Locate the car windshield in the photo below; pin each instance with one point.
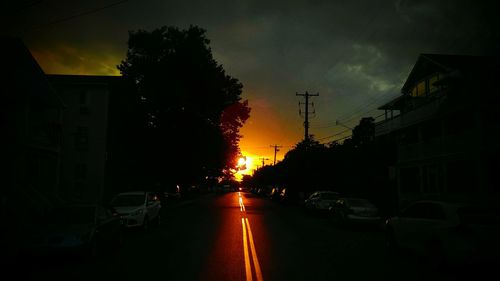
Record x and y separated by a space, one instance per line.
128 200
72 215
329 196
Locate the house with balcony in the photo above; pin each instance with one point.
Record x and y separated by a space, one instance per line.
445 126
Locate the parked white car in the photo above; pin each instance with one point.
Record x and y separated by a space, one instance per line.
137 209
447 232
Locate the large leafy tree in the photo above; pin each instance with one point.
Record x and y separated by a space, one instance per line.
193 110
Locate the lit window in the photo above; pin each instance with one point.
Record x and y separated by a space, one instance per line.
421 89
432 81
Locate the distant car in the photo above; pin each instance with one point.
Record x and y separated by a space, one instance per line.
289 196
445 232
354 210
75 229
137 209
223 188
171 194
321 200
275 193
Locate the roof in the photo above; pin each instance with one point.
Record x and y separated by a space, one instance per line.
394 104
22 77
465 64
482 67
57 79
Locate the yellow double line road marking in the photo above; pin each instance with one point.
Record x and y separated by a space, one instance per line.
248 239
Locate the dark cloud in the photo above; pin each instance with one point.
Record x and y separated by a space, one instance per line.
355 53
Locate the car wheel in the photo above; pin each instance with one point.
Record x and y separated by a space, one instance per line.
435 254
342 217
157 220
145 224
391 242
121 239
93 250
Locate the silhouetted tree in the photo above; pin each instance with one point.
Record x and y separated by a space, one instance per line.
193 109
364 132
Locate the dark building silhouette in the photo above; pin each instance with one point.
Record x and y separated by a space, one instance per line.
30 144
84 134
445 125
101 127
30 123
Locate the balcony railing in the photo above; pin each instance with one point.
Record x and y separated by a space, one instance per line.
409 118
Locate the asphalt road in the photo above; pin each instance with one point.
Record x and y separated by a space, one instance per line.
237 236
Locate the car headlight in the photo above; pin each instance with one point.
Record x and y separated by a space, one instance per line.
136 213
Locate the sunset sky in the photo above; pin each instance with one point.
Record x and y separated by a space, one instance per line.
356 54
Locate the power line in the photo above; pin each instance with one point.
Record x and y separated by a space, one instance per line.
85 13
343 138
334 135
345 118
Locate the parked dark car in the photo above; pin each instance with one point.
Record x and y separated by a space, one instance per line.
76 229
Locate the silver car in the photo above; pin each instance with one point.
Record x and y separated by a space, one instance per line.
137 209
447 232
355 210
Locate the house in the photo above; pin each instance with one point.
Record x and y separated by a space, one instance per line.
30 144
100 129
30 124
84 134
445 126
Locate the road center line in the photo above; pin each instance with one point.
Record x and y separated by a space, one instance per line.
248 239
248 269
256 264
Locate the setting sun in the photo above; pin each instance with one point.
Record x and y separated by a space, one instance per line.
246 167
242 161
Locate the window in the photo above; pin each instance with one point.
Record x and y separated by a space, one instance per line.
409 135
80 171
414 92
83 98
431 130
432 83
84 103
461 176
410 179
421 92
81 138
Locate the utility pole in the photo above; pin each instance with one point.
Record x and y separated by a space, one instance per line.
263 159
276 149
306 114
